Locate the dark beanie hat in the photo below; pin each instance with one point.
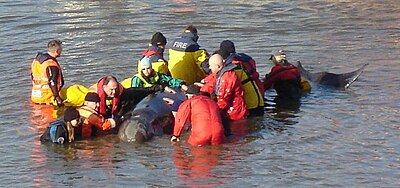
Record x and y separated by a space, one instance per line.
228 46
92 97
70 114
158 39
193 89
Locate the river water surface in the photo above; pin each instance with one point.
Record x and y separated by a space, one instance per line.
334 138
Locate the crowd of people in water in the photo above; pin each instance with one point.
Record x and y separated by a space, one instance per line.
220 87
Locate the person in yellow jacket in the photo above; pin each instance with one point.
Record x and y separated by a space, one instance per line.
186 57
155 52
46 75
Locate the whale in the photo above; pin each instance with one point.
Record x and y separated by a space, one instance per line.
338 81
152 116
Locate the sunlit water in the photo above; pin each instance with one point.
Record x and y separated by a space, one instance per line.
333 138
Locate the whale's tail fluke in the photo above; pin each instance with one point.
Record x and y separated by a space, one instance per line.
341 81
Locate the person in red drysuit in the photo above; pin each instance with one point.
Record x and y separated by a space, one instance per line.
284 77
204 116
226 85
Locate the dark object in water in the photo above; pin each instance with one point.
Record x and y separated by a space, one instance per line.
341 81
151 117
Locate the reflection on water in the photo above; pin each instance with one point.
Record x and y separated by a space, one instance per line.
42 115
195 167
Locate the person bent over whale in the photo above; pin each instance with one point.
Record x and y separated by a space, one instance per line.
284 78
204 116
186 57
109 90
92 121
115 100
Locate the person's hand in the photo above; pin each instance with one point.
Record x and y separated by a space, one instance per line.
168 101
169 90
59 101
112 122
184 87
175 139
198 84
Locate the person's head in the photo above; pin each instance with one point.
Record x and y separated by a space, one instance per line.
72 116
279 58
192 91
110 86
158 39
216 63
145 67
192 29
228 46
92 100
225 54
54 47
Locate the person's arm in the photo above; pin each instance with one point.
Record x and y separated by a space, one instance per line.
270 78
200 56
209 84
182 116
101 122
52 74
136 82
137 93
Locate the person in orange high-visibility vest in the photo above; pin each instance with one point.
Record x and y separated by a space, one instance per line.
46 75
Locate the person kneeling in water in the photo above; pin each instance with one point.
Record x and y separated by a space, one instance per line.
206 123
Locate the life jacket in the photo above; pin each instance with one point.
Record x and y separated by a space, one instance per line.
286 81
231 102
145 82
103 99
56 132
41 91
85 129
159 64
246 70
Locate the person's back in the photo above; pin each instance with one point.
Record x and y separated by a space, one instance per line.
205 119
46 75
253 95
246 71
186 57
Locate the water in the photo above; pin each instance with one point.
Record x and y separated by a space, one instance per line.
332 139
